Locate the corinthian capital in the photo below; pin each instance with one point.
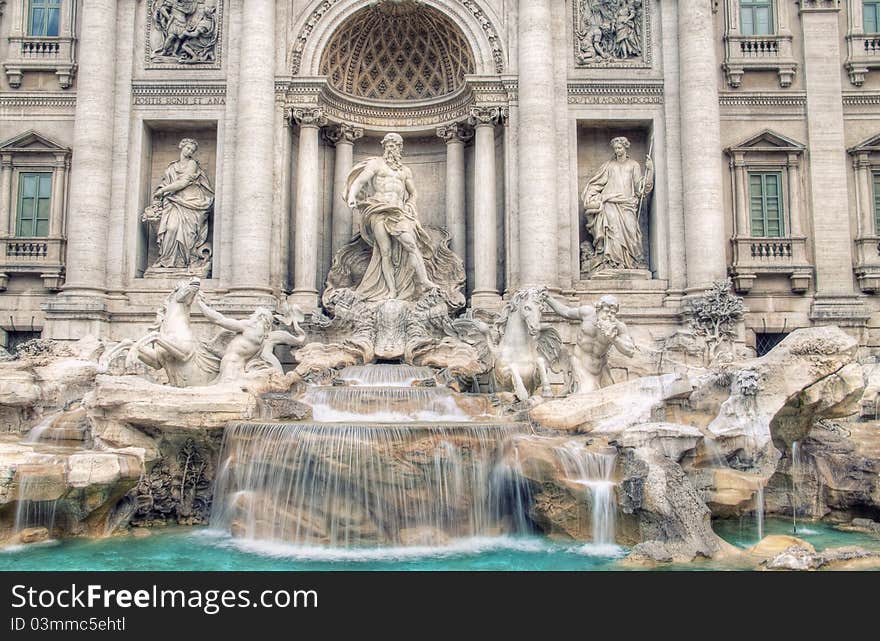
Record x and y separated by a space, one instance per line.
307 117
457 131
487 116
343 133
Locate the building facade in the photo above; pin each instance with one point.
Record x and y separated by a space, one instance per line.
761 117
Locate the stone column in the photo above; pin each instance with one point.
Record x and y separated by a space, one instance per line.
56 217
702 174
485 293
538 247
835 298
741 196
344 137
307 221
92 168
862 167
794 196
255 140
5 195
456 135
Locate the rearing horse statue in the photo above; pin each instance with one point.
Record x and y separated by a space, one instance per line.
522 349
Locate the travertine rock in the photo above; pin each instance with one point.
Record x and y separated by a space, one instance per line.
764 386
611 409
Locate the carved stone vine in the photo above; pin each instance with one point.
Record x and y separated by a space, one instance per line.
176 490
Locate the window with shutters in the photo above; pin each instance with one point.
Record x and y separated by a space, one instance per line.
33 184
865 159
34 204
766 204
768 200
757 37
871 16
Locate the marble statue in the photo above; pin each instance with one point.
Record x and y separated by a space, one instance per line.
612 202
521 348
392 289
608 31
172 346
242 346
600 330
382 189
188 30
181 205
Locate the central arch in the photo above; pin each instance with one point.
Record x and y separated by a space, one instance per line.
318 26
403 51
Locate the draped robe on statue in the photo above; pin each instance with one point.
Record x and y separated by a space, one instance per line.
611 200
183 228
396 220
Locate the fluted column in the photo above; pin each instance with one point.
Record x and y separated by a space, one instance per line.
343 136
485 293
456 135
5 195
255 139
56 217
307 220
91 172
702 174
538 251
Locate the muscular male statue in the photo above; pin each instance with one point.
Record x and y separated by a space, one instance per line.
382 189
600 330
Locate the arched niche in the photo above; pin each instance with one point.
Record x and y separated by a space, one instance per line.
317 26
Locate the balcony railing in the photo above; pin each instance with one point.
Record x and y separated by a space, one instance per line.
32 53
42 256
751 47
759 53
753 256
41 48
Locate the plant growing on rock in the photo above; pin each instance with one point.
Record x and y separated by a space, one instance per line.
714 315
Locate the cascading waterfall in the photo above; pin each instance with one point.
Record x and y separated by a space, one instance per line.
345 485
38 432
380 463
383 404
595 471
759 510
30 513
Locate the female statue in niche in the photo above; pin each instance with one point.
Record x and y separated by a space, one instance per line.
612 199
181 205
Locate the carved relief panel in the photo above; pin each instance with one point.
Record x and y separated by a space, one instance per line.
183 33
612 33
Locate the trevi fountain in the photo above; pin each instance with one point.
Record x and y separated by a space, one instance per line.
439 284
402 429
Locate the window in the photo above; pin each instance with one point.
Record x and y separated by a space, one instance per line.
766 341
765 204
34 198
43 17
757 17
875 179
871 16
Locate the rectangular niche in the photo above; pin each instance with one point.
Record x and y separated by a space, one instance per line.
183 208
593 150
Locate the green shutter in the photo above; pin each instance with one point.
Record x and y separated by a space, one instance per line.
34 204
766 205
877 203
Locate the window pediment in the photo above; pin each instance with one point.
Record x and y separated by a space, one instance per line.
767 141
32 142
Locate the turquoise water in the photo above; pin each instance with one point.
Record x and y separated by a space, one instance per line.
199 549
